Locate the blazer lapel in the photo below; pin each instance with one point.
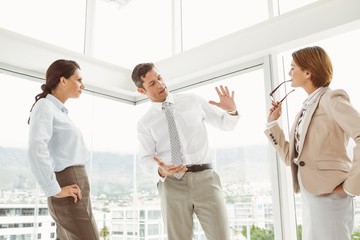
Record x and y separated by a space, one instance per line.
292 135
309 113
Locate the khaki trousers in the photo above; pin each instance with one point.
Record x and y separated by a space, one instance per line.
74 221
197 192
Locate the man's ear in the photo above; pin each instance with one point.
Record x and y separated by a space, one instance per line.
142 91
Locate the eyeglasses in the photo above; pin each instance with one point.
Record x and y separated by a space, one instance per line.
273 91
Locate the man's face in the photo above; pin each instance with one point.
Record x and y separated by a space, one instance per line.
154 87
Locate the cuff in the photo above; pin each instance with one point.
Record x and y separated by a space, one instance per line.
349 193
233 113
162 179
51 190
271 124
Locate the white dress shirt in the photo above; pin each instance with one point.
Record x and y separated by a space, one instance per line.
55 143
190 112
306 104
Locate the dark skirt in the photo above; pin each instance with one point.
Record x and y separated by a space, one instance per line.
74 221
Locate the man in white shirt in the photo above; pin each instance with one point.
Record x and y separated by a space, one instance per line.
191 186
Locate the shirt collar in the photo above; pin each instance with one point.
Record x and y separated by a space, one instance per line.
311 98
57 103
158 105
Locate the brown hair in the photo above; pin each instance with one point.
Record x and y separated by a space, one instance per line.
59 68
140 71
317 62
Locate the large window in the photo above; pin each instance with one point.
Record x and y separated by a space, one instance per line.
17 97
129 32
138 31
288 5
125 32
23 208
240 155
204 21
61 23
109 130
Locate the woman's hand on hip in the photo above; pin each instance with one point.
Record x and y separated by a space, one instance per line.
70 191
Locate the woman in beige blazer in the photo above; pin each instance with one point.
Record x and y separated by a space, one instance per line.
321 169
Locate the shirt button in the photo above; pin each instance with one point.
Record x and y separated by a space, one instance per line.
302 163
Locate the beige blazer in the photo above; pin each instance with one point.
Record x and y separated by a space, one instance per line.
322 159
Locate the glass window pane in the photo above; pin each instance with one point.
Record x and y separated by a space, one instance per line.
204 20
242 153
110 134
61 23
147 192
20 196
114 144
17 96
288 5
138 31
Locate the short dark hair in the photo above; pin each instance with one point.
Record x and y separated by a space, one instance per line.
139 72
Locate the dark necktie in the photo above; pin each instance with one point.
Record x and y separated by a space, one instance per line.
176 151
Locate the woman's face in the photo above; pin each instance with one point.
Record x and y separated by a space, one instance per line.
74 85
298 76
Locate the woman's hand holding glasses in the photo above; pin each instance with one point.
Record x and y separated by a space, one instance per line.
275 110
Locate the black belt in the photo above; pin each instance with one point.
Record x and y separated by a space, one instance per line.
198 168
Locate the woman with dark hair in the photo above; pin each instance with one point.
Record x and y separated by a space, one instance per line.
322 171
57 153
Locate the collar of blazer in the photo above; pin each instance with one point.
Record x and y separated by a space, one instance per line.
309 113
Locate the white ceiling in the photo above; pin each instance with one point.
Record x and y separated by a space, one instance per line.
307 24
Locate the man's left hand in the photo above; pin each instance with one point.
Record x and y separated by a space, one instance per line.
226 102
